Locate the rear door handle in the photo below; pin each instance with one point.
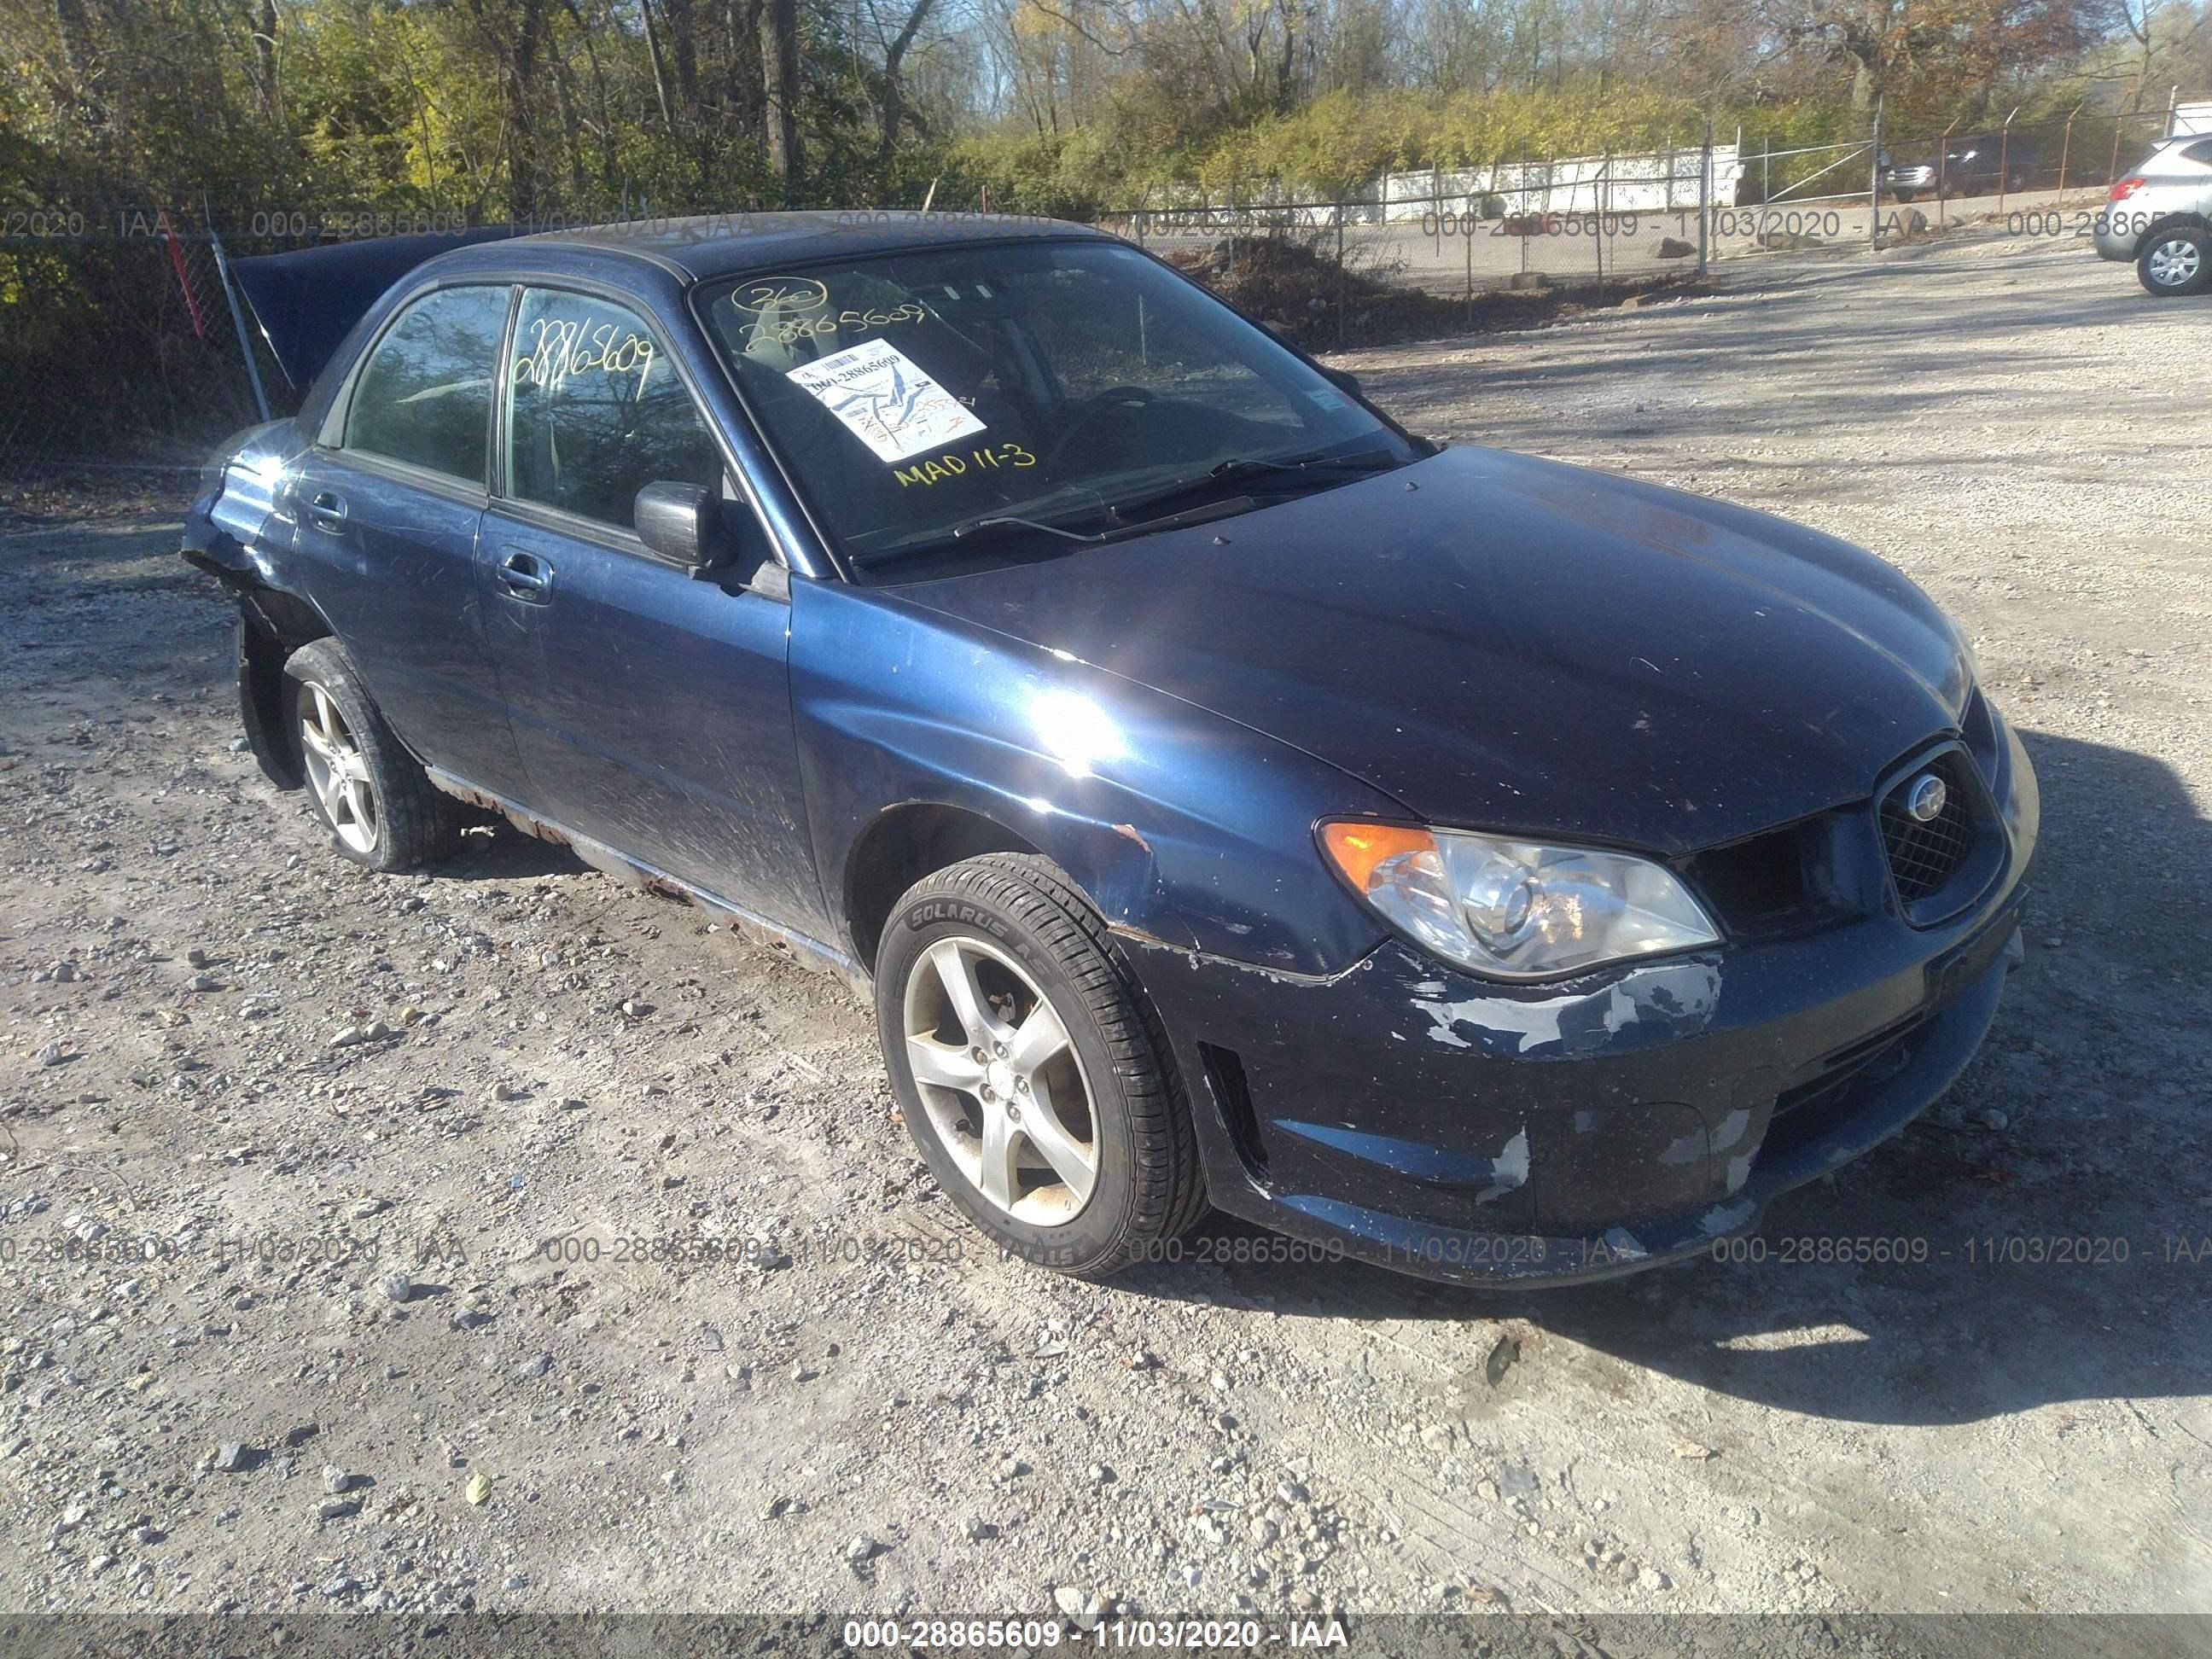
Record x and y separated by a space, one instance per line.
326 510
527 577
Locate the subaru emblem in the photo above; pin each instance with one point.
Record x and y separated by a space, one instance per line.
1925 797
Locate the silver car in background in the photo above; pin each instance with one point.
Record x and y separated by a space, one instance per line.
2158 218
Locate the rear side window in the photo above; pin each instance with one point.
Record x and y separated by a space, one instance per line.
598 411
2200 151
425 396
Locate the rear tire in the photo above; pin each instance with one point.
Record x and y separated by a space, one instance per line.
370 793
2175 261
1051 1111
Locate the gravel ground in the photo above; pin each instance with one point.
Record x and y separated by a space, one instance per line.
804 1385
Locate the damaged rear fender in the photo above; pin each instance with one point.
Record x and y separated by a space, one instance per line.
264 648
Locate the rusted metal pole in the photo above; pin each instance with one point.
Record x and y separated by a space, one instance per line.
1943 174
1874 181
1468 221
1340 273
1600 189
2004 157
1705 190
1524 194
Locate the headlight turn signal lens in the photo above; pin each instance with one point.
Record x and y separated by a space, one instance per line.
1357 848
1515 909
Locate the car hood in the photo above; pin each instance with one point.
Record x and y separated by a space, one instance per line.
1503 642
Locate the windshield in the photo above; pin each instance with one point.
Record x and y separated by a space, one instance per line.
1034 397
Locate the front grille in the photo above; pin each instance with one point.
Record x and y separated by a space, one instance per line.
1924 857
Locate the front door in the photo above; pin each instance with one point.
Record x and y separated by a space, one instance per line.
653 709
388 521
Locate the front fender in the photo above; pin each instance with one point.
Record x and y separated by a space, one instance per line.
1179 825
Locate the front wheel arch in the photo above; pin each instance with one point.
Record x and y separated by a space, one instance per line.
905 845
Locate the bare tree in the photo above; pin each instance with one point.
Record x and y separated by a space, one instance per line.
895 44
778 49
2139 18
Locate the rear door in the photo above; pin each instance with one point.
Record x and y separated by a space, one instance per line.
388 516
653 708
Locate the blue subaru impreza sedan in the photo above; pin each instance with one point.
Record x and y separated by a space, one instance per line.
1483 867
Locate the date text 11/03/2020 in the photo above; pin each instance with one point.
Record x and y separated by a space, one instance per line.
1506 1251
1030 1634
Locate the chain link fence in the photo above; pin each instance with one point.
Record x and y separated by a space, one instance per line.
1895 182
118 340
1434 247
123 345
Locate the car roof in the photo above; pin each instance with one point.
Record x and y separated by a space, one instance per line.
311 302
729 244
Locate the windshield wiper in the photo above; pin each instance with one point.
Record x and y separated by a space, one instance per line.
1298 470
967 527
1241 469
1364 460
1120 530
994 524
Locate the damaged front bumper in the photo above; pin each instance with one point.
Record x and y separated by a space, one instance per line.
1460 1129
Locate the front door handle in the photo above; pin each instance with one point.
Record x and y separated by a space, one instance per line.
326 511
527 577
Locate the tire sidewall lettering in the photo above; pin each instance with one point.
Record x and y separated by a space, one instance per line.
958 913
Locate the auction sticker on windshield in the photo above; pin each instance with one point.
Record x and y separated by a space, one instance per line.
885 400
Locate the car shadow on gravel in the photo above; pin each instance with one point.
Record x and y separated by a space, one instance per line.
499 852
2037 1238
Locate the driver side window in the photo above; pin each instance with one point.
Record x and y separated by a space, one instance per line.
596 412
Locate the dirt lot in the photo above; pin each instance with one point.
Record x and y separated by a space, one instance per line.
208 1404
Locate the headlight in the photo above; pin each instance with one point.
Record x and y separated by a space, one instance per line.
1516 909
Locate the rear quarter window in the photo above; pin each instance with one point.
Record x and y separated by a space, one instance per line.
424 396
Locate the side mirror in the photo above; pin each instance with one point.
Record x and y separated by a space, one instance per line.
1343 380
683 524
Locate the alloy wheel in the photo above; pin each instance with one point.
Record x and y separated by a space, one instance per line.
2175 264
1003 1088
337 770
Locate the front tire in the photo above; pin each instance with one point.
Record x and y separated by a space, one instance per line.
2175 261
370 793
1033 1075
